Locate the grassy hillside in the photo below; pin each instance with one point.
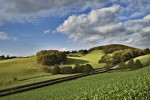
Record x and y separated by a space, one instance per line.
26 70
144 59
119 85
91 58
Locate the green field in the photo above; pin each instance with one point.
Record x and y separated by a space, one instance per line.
27 70
91 58
127 85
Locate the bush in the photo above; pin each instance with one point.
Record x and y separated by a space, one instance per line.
66 70
87 68
47 69
55 69
83 68
122 65
138 64
77 69
15 79
131 64
50 57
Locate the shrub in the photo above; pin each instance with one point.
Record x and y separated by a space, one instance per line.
55 69
77 69
138 64
15 79
122 65
87 68
131 64
66 70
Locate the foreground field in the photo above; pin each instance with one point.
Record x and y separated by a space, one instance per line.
119 85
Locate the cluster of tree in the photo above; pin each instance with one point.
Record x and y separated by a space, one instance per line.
82 51
69 70
107 49
131 64
122 56
7 57
51 57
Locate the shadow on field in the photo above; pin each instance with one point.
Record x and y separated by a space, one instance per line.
76 61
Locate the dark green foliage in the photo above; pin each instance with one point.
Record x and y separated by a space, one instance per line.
50 57
15 79
131 64
66 70
87 68
105 59
107 49
77 69
122 65
55 69
138 64
47 69
7 57
83 68
147 51
2 57
83 51
121 56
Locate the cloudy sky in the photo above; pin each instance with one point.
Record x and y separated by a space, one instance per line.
27 26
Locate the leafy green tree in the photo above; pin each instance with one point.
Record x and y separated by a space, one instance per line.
77 69
66 70
87 68
50 57
131 64
55 69
122 65
138 64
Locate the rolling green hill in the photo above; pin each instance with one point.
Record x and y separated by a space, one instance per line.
19 71
26 70
91 58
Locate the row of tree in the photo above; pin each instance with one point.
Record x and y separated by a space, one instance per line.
131 64
69 70
107 49
82 51
6 57
122 56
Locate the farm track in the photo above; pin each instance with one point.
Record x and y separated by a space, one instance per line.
27 87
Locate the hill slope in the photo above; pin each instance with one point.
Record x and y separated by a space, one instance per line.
26 70
91 58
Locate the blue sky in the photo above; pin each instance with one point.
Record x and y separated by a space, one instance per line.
29 26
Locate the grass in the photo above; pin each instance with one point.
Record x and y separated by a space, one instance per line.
129 85
27 70
91 58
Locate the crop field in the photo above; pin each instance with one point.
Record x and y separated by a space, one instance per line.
127 85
